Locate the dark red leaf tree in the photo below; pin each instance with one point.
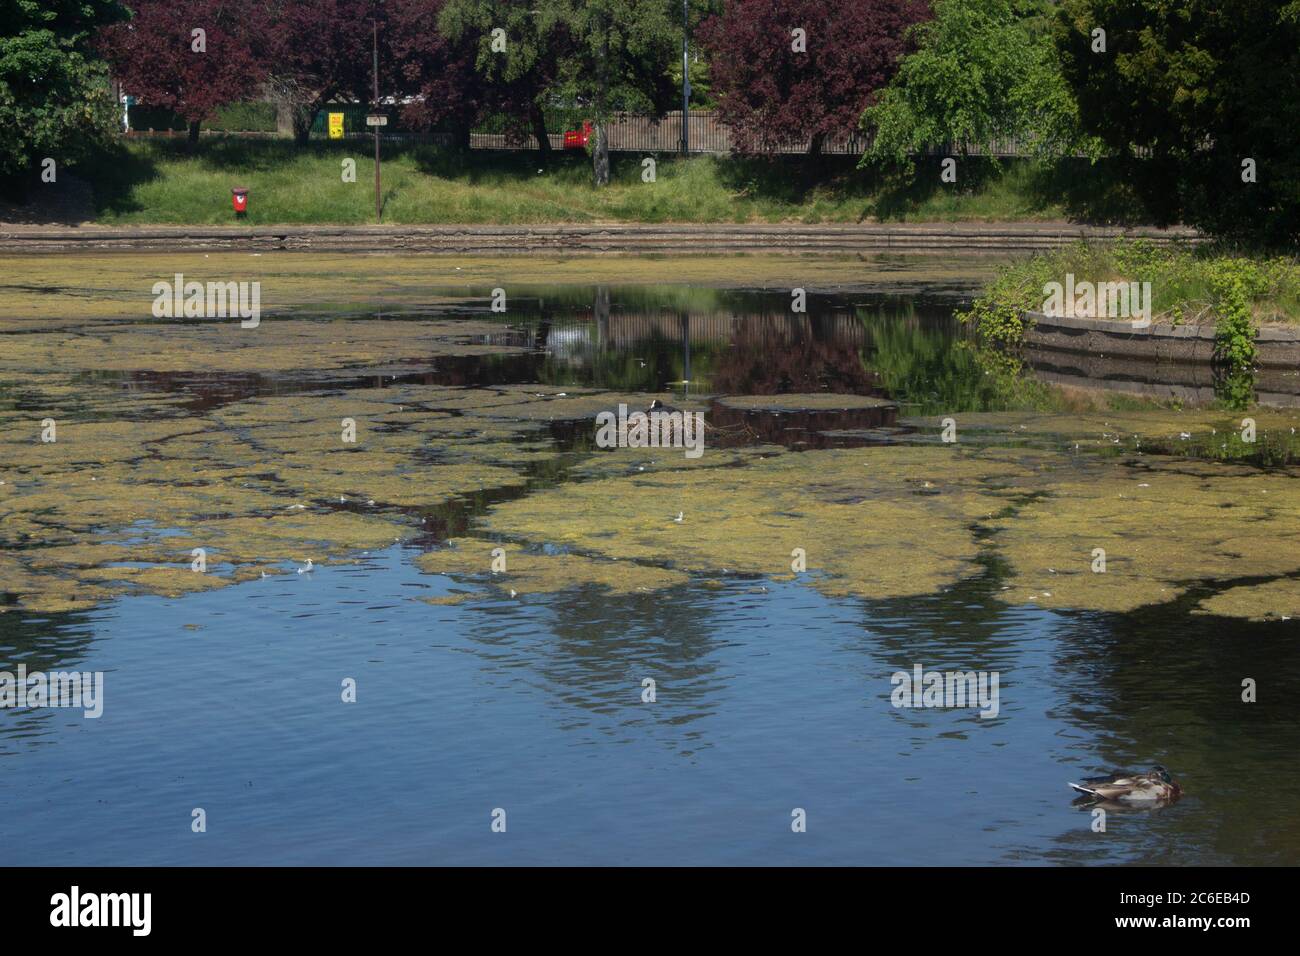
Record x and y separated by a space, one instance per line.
320 51
158 56
776 87
434 73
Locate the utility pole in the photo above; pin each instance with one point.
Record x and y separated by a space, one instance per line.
378 201
686 77
685 319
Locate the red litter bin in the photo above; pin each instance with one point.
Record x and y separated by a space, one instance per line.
239 200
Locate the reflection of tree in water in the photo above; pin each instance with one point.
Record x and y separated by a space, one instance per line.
728 342
803 430
647 338
773 353
1159 685
756 347
917 355
44 642
595 648
965 623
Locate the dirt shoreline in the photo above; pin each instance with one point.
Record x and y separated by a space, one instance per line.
665 239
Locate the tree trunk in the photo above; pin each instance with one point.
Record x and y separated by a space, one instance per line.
302 120
539 132
600 155
815 145
461 134
284 120
296 107
305 113
194 133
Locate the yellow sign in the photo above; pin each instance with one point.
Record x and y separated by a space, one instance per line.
336 126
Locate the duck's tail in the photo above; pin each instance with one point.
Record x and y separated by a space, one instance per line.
1082 789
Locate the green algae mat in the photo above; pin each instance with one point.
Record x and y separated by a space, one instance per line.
381 401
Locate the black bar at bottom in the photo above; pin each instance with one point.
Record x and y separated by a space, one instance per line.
336 905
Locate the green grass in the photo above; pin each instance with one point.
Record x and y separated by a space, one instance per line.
1188 284
161 181
1234 291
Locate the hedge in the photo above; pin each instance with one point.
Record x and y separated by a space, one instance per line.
233 118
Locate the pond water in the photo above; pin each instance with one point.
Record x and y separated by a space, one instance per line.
772 690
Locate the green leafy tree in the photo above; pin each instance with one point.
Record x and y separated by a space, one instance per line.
982 70
518 66
1184 94
617 55
55 98
701 77
602 55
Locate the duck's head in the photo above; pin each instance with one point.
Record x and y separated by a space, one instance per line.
1162 773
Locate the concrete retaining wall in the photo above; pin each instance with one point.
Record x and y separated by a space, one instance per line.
1277 346
919 238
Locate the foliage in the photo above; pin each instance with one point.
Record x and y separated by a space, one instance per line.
616 59
432 69
998 313
54 94
1185 93
1235 284
619 54
1237 290
234 117
515 82
319 51
155 54
982 70
771 94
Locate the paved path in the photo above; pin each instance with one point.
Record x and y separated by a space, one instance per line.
581 237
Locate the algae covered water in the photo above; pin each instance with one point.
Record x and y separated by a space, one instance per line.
472 635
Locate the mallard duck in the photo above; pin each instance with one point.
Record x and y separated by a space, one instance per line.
1155 786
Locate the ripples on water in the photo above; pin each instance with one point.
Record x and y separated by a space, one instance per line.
771 696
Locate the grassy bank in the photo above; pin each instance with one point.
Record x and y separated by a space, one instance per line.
1235 292
162 182
1200 284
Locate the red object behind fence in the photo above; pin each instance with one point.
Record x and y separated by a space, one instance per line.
239 200
578 139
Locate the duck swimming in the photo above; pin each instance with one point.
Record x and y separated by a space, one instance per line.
1155 786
